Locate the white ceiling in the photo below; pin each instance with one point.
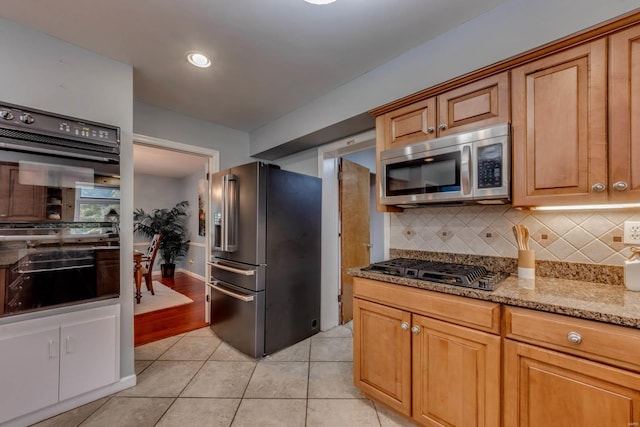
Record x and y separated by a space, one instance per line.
162 162
269 56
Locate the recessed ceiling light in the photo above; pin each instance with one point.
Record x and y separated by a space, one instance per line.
319 1
198 59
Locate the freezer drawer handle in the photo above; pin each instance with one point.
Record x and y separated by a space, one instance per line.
241 297
233 270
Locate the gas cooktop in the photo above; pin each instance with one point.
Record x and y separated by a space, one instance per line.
470 276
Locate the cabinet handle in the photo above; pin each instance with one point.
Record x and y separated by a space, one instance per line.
620 186
598 188
431 129
415 329
442 126
574 338
404 326
53 349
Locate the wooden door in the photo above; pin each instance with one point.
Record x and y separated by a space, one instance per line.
475 105
456 375
544 388
559 128
413 123
382 354
624 116
354 185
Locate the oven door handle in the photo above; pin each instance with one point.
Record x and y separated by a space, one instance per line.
67 153
233 270
241 297
465 170
42 270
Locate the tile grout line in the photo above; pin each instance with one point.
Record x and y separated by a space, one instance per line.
306 403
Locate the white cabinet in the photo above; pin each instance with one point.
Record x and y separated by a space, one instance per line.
47 360
29 372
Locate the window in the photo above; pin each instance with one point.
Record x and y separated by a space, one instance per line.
93 203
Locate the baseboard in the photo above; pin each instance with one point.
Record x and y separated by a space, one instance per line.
72 403
191 273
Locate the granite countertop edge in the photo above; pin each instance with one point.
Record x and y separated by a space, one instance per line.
585 300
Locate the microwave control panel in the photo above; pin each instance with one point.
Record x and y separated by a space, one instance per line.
490 166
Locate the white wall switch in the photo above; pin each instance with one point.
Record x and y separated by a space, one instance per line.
632 232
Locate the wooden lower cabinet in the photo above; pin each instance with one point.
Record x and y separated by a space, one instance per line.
456 375
545 388
438 373
382 354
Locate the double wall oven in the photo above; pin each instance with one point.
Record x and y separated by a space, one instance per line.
59 210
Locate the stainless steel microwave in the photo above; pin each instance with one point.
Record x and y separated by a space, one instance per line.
471 167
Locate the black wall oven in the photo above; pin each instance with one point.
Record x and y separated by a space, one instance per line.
59 210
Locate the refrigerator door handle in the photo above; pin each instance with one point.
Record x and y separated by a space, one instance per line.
229 236
241 297
233 270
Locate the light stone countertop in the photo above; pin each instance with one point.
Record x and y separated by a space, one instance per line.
587 300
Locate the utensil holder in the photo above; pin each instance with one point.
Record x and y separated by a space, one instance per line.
527 264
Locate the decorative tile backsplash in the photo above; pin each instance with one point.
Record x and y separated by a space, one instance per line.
593 237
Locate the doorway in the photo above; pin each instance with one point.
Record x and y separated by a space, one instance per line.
359 149
166 173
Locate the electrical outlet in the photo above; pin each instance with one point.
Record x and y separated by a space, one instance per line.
632 232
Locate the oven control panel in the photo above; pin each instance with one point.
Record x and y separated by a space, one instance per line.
15 117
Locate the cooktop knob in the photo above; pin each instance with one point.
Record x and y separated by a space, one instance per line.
6 114
26 118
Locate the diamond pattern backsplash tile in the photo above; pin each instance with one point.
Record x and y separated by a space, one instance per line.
589 237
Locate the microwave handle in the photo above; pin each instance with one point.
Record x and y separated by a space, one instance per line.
465 170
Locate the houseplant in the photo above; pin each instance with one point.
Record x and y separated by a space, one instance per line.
172 225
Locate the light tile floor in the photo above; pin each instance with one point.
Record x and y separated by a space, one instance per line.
195 379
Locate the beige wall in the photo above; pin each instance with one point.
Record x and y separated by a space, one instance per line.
571 236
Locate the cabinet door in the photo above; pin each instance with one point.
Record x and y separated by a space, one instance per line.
559 128
28 371
413 123
544 388
475 105
18 201
382 354
624 116
89 355
456 375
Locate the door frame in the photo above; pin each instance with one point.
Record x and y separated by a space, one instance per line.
213 166
328 156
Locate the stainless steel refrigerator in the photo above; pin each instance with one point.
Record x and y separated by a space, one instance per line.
265 265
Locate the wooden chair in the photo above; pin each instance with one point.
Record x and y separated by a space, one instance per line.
146 266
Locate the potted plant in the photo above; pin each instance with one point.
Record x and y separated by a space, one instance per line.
172 225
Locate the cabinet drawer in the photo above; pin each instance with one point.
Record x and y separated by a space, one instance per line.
616 345
482 315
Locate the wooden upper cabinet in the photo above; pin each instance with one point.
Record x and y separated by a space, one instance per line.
18 201
559 128
624 116
413 123
475 105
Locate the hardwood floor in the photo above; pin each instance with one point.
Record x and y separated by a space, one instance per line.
160 324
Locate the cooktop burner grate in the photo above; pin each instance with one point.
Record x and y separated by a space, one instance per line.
471 276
